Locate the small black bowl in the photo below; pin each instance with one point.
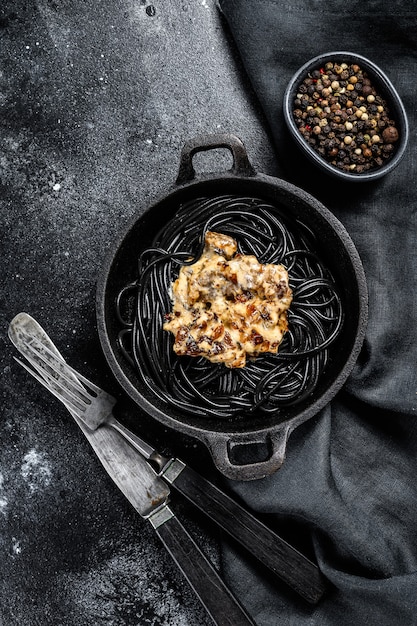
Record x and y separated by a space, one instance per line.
384 88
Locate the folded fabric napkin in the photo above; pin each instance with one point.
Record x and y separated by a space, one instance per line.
348 484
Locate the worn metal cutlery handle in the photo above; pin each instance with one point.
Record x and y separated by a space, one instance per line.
270 549
217 599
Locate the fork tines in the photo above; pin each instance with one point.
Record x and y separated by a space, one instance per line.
55 374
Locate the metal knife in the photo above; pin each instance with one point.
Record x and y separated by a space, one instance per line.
148 494
287 563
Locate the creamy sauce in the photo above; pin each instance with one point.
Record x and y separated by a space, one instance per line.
228 306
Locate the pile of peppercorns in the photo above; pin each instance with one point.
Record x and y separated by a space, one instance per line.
342 117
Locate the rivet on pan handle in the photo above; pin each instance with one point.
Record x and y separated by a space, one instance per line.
203 143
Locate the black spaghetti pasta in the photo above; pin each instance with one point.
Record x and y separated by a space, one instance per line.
272 381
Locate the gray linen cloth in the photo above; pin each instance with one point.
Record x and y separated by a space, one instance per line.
348 486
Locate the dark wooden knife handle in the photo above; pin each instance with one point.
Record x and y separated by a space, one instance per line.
301 574
218 600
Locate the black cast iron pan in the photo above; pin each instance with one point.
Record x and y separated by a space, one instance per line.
224 438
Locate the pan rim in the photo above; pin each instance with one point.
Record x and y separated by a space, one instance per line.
229 426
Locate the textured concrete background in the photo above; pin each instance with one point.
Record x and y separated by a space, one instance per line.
96 101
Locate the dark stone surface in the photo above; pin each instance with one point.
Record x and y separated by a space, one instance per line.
96 101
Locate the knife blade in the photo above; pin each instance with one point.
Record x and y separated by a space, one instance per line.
149 495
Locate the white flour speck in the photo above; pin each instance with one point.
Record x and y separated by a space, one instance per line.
3 505
35 470
16 547
3 500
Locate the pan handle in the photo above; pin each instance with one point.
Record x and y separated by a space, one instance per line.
241 164
221 447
